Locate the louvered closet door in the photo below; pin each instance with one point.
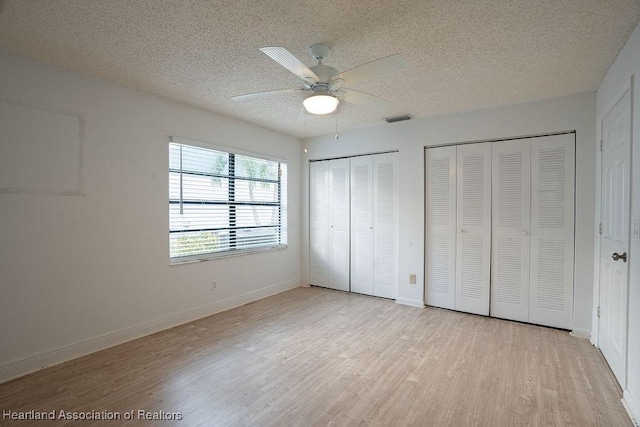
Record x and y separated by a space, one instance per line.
385 225
440 253
473 243
319 223
511 218
339 220
552 235
362 224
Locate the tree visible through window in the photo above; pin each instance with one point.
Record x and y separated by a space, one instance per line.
222 202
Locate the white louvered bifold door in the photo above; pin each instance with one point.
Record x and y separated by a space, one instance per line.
440 230
319 223
552 232
385 225
362 224
473 244
511 218
339 221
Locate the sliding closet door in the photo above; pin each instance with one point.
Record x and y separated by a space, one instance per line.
339 220
552 231
473 243
511 218
385 225
440 253
362 224
319 223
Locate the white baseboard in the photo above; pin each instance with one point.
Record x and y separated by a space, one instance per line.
411 302
631 405
19 367
581 333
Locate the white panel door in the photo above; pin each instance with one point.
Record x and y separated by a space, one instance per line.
319 223
552 231
385 225
614 241
339 220
362 224
473 244
440 253
511 216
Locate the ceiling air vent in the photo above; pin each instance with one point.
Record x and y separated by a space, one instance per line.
395 119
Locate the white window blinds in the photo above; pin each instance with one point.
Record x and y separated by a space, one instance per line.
222 203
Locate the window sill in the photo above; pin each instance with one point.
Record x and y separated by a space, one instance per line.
226 254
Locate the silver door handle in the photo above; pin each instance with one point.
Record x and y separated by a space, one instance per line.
617 256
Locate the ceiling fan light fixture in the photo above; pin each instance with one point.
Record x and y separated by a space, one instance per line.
321 104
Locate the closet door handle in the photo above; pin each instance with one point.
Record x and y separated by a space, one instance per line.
616 256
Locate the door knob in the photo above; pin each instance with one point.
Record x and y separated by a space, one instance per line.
617 256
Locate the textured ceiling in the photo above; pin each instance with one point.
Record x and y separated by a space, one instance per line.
462 55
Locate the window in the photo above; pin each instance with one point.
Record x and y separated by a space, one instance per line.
223 203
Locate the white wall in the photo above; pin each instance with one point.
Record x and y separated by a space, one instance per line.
627 65
84 259
561 114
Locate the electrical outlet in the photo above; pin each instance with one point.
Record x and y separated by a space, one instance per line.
214 286
635 233
412 279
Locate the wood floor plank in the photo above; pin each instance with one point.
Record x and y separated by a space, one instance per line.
314 356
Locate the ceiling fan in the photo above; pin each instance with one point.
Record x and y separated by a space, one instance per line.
326 84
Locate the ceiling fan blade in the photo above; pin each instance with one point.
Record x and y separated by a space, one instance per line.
364 99
290 62
252 96
371 70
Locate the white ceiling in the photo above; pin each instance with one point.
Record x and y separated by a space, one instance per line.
462 55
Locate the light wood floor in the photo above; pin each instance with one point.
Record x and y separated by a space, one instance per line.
313 356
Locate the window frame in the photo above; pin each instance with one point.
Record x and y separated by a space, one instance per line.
231 202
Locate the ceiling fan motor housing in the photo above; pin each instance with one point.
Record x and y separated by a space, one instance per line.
325 73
